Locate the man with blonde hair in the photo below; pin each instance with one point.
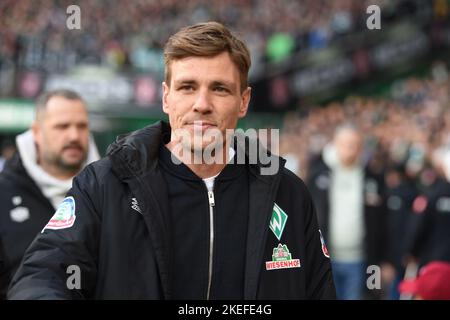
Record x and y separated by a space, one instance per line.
147 222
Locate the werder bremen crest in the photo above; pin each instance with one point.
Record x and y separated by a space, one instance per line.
277 221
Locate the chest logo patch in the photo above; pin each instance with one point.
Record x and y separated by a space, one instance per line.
282 259
278 221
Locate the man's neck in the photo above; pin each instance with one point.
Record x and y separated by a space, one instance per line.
202 170
350 165
206 170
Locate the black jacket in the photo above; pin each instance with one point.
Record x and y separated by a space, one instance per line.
399 202
192 234
126 254
24 211
375 219
431 225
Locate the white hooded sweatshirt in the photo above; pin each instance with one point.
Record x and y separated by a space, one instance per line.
54 189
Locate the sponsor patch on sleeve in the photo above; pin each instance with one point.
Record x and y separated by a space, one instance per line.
324 246
64 216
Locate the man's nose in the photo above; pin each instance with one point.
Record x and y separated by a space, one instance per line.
202 102
74 133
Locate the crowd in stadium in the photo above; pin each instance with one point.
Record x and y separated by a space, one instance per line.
403 128
405 133
131 34
406 142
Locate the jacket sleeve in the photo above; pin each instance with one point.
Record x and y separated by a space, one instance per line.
3 274
61 263
421 227
320 283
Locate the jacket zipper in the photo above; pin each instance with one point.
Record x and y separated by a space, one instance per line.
211 240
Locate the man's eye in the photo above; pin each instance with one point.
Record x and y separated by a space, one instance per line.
221 89
186 88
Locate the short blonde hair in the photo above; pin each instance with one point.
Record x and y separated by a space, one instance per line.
207 40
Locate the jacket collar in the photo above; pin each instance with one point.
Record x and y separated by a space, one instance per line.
136 153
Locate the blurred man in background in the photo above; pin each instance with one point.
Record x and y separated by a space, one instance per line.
350 209
431 236
401 191
39 175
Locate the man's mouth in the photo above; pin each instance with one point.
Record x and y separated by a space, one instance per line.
73 149
201 125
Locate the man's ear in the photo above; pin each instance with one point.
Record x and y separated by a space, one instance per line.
36 130
243 108
165 104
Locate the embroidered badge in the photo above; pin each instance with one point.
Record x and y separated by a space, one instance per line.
278 221
64 216
324 246
282 259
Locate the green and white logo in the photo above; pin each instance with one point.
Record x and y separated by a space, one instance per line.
278 221
282 259
281 253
